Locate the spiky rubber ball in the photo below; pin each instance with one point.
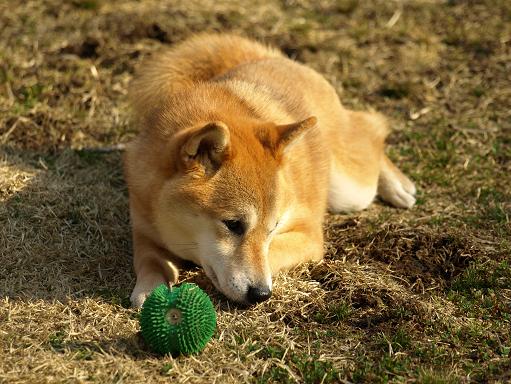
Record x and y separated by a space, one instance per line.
178 320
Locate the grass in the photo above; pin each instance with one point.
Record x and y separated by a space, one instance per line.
402 296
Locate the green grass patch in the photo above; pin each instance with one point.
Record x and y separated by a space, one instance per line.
31 95
166 369
484 276
309 368
477 291
56 340
383 369
334 314
275 375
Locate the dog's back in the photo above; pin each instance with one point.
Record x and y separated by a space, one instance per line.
193 61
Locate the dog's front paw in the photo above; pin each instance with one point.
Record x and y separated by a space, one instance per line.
137 298
142 290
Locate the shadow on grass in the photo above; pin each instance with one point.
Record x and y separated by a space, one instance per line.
64 225
132 346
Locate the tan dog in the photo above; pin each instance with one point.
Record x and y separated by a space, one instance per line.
240 152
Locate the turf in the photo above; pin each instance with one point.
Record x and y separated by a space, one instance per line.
403 296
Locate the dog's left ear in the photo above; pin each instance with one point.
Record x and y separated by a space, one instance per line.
205 149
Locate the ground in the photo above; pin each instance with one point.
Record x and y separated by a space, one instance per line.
402 296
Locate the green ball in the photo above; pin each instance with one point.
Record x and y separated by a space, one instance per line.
178 320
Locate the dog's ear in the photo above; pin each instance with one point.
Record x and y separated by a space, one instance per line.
205 149
289 133
279 139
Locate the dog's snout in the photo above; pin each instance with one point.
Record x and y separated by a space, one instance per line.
256 294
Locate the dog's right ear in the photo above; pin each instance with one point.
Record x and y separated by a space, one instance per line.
204 150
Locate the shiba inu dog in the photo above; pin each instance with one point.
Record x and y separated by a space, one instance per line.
240 153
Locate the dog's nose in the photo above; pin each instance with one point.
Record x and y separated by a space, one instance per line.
258 294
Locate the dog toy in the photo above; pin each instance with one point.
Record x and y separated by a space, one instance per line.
178 320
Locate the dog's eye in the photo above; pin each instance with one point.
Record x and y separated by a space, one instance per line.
235 226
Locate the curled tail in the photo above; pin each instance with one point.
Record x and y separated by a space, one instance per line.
197 59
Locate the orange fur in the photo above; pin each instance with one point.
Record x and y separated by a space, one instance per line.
232 133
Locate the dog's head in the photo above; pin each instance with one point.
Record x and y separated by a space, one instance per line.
222 205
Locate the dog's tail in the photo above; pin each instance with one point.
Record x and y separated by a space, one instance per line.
197 59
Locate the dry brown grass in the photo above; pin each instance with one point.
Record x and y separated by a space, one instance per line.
421 295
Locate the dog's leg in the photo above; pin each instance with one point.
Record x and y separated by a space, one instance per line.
346 194
356 147
153 266
361 170
394 187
